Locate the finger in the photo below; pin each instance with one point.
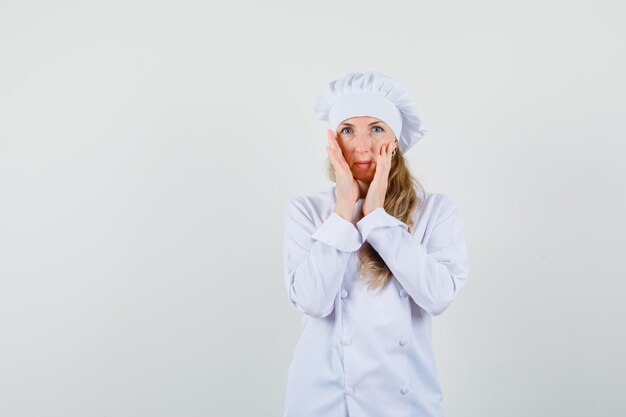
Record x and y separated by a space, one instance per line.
342 160
331 145
331 157
332 139
331 152
336 160
389 151
338 153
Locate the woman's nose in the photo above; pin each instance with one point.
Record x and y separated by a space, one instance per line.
363 140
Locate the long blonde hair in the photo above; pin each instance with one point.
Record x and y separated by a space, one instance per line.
401 199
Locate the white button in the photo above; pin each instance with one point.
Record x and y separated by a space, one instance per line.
349 390
344 293
403 341
404 389
346 341
403 293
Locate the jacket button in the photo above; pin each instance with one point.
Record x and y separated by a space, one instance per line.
346 341
403 293
403 341
344 293
404 389
349 390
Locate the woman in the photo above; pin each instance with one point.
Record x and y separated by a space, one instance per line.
369 262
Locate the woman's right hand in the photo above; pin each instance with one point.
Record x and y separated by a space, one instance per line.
347 186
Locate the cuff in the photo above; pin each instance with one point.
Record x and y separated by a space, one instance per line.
338 233
377 218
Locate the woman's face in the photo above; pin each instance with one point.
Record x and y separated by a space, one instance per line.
360 139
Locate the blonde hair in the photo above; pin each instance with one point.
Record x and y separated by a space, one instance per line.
401 200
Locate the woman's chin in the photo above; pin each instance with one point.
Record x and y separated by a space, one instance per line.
365 177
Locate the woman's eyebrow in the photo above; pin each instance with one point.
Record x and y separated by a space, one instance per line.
351 125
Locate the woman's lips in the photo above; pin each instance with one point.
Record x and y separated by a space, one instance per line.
363 165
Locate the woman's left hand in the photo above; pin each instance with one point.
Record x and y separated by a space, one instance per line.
378 187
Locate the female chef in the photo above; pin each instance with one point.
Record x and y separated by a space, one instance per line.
369 262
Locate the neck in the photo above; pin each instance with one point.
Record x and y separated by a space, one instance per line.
363 187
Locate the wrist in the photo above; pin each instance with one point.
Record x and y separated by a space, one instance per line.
344 211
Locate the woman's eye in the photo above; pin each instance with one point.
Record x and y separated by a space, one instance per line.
378 127
344 130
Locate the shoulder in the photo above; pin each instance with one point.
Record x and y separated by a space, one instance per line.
436 207
442 202
311 205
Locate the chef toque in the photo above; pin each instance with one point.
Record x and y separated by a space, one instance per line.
372 94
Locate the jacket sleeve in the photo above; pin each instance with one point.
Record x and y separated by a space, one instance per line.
315 258
432 274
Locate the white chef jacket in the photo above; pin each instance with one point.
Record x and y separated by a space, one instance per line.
363 353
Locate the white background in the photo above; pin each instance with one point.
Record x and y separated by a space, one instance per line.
148 149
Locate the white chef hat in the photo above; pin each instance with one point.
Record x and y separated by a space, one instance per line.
372 94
